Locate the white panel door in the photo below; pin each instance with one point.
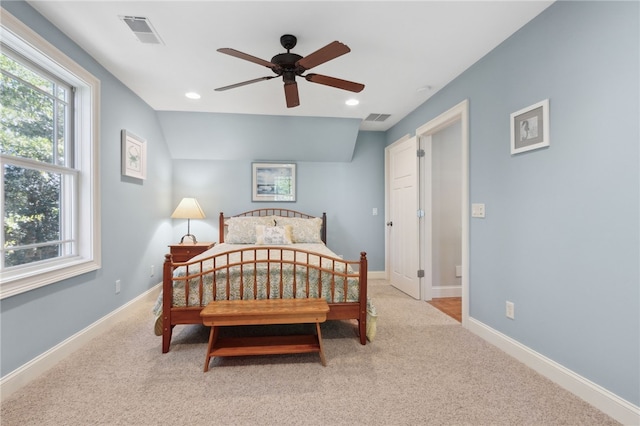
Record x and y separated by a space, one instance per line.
403 221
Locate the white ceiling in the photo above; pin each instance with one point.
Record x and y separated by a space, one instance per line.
403 52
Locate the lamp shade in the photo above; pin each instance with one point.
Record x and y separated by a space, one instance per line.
188 209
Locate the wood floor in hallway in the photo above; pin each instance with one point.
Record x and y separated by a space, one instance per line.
451 306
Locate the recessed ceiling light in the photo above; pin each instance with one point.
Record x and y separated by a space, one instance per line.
192 95
352 102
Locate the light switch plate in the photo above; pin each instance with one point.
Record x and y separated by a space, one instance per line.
477 210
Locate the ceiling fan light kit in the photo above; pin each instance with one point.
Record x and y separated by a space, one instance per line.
290 65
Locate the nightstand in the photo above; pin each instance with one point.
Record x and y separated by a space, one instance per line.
185 251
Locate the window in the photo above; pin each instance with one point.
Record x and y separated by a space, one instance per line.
48 151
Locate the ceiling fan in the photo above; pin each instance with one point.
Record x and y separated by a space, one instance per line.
289 65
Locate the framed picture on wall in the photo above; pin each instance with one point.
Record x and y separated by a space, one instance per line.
273 182
530 127
134 155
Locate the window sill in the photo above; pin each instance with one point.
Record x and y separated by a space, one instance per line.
16 283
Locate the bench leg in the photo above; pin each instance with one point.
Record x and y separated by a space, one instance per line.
322 358
213 336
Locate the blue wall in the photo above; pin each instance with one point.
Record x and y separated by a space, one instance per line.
561 235
136 228
134 221
347 192
560 238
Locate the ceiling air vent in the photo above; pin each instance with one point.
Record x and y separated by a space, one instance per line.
142 29
377 117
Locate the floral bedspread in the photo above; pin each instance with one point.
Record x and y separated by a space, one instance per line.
251 281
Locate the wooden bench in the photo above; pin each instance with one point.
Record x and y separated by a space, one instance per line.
261 312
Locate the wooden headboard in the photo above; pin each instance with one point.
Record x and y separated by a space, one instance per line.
275 212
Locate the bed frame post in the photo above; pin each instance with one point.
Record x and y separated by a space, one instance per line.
362 322
167 293
221 228
323 231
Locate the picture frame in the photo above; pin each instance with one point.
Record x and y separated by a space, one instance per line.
273 182
134 155
530 128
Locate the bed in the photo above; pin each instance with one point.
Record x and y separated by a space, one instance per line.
262 254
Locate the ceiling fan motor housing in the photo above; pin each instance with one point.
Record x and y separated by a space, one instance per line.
287 65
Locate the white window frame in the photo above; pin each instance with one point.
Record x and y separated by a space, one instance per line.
27 43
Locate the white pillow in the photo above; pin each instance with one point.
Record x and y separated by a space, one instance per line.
242 230
303 230
273 234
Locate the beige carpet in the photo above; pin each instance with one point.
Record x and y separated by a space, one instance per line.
422 368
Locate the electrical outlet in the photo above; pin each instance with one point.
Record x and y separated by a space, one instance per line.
477 210
511 310
153 272
117 286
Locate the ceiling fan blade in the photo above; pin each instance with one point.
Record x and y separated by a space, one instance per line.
247 57
322 55
291 94
335 82
244 83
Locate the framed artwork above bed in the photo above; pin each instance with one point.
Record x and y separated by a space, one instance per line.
273 182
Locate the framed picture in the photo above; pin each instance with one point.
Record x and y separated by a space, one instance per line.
273 182
134 155
530 128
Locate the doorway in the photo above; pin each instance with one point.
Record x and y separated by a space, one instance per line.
442 182
435 251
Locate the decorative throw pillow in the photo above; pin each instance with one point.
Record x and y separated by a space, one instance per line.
303 230
273 234
242 230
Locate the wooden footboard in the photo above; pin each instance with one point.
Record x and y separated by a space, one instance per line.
290 273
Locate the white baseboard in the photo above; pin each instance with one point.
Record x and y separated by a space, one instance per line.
376 275
621 410
42 363
446 291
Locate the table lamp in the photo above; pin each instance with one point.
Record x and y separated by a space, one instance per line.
188 209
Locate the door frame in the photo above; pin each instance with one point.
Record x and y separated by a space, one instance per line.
460 112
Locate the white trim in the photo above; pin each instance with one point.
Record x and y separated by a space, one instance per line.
42 363
604 400
29 44
425 194
377 275
25 282
459 112
446 291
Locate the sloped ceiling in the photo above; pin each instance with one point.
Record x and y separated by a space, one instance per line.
200 135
